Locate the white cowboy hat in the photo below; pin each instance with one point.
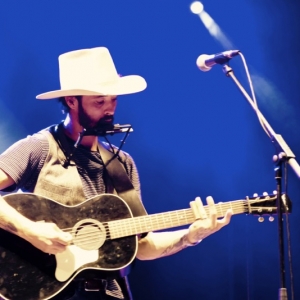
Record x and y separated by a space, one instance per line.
92 72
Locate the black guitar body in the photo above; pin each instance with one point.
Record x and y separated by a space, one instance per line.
103 225
27 273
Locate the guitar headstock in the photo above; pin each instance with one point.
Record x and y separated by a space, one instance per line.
266 204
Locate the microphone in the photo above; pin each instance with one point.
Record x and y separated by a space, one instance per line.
108 129
205 62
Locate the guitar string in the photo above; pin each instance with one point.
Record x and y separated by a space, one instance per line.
111 227
117 232
237 203
93 237
173 214
115 228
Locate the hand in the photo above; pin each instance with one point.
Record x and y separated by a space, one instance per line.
205 225
47 237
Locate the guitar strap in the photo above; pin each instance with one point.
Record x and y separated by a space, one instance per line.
116 178
120 181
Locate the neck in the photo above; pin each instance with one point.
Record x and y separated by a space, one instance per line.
72 130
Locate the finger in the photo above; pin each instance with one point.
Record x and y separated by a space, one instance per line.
64 238
58 247
63 234
225 221
201 208
212 211
55 250
55 227
195 210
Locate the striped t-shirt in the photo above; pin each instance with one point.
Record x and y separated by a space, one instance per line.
24 160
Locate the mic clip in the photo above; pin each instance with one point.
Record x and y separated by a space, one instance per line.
109 129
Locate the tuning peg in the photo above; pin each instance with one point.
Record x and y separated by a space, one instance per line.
271 218
261 219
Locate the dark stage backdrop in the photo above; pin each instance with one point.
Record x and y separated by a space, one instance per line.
194 133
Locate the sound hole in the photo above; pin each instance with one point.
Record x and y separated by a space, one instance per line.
89 234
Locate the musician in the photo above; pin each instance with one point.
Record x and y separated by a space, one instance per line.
90 85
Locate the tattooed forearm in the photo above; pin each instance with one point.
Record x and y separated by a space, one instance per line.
161 244
9 227
176 247
10 219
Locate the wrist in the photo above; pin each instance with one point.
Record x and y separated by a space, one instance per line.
27 231
188 243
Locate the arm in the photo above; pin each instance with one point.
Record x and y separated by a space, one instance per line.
45 236
160 244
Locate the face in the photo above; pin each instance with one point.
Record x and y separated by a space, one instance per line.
96 111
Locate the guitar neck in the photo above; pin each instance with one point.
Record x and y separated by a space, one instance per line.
160 221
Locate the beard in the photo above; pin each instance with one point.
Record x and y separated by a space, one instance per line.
104 123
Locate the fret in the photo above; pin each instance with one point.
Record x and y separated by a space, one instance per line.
164 221
221 208
185 217
178 218
157 221
126 229
145 227
140 224
167 219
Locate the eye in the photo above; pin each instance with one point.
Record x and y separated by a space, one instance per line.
99 101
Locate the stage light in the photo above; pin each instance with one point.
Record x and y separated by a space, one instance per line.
197 7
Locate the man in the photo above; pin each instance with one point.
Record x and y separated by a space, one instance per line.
90 85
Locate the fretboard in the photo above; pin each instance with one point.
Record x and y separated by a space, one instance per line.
171 219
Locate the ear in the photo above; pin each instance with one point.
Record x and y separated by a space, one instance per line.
71 101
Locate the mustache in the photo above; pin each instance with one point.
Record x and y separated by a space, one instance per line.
106 119
105 123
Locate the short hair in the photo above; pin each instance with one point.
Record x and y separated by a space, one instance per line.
65 106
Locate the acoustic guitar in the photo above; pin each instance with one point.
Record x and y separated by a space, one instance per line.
104 240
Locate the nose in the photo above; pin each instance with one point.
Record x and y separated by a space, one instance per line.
110 106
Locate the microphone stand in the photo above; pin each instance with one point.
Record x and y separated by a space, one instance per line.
284 153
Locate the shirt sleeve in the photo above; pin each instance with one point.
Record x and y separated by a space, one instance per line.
23 160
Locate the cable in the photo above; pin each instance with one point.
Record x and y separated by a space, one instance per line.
253 94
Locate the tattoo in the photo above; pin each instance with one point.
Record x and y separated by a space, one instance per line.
176 247
9 227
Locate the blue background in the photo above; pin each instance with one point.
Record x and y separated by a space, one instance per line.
194 133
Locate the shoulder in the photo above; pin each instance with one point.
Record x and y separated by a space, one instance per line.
36 141
44 136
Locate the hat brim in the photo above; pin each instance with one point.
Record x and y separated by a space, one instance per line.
124 85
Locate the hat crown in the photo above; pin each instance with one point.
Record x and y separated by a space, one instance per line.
83 69
92 72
